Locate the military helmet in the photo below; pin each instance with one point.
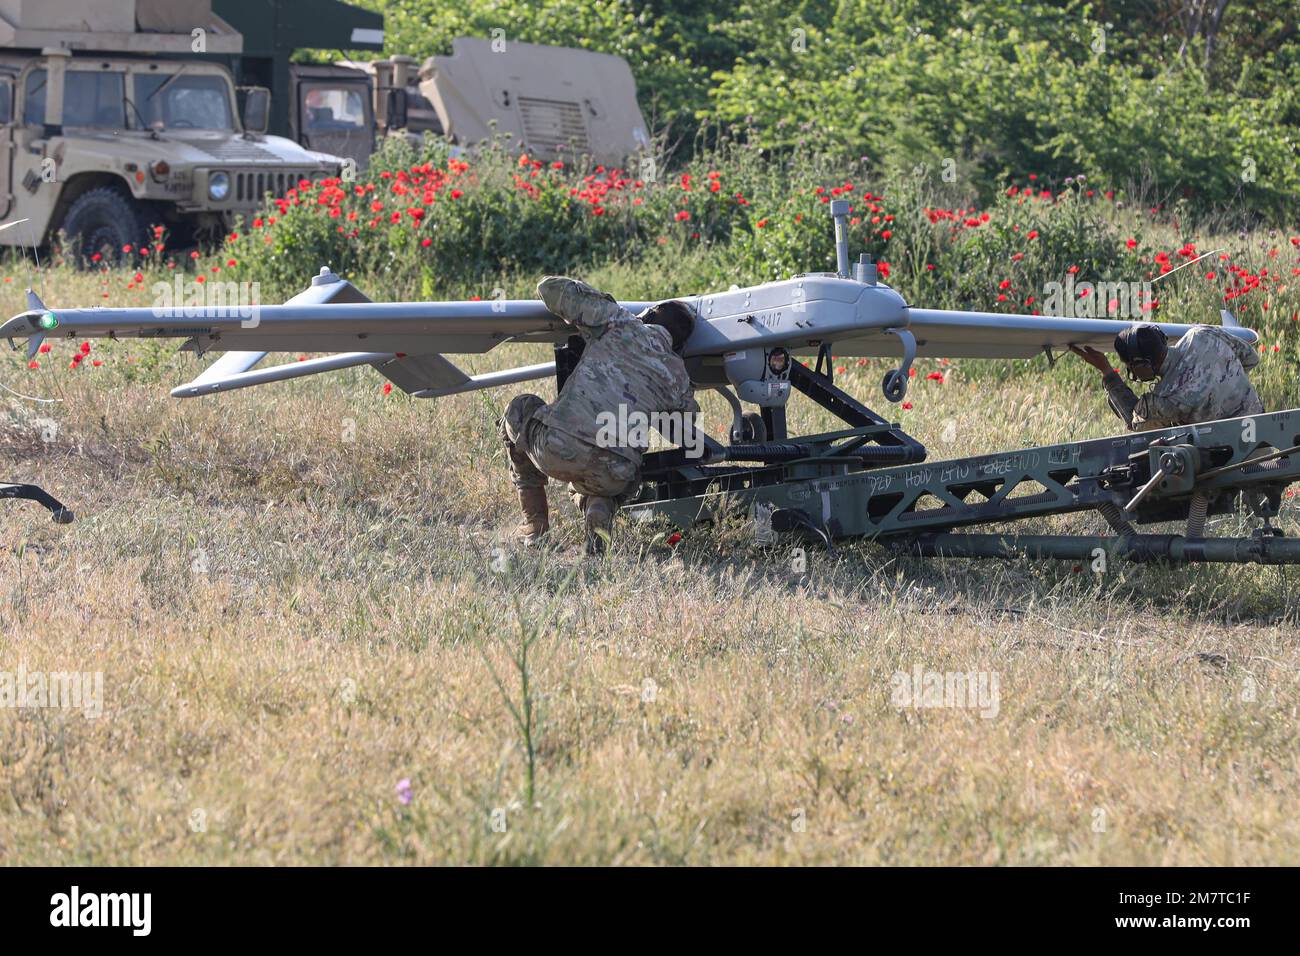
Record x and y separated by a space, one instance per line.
1142 344
676 317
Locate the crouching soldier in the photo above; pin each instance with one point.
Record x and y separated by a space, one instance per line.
631 369
1202 376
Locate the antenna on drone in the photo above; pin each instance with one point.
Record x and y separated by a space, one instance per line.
1186 264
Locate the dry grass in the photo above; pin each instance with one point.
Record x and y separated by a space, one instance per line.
289 623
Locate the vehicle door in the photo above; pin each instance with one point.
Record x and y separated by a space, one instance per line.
336 118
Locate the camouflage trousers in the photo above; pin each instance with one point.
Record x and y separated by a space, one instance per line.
537 452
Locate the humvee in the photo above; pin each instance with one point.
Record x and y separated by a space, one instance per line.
103 139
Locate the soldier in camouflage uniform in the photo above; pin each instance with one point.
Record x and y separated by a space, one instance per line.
1202 377
629 364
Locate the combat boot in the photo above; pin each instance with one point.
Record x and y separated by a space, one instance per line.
577 302
599 515
536 521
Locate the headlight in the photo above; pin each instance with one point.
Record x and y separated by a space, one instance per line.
218 186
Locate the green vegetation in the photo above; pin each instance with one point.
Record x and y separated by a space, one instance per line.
1201 109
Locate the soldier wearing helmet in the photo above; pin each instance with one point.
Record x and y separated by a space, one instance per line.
1200 378
631 363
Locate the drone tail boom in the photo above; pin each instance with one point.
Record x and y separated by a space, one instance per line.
429 375
422 376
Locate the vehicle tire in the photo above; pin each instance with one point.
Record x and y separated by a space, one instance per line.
104 221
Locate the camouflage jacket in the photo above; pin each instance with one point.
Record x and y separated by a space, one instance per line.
628 371
1203 379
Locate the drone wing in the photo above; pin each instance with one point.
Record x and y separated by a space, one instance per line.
942 334
403 340
408 341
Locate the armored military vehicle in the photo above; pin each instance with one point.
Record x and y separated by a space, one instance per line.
558 102
109 128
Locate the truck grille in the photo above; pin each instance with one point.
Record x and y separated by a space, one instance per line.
551 123
251 187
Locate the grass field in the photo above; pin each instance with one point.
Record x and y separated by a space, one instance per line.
307 617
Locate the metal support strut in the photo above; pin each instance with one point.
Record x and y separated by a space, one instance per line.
60 514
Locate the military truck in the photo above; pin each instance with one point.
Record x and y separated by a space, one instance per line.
555 101
322 107
109 128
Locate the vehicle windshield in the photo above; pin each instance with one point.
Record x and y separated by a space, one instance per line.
333 108
91 98
189 101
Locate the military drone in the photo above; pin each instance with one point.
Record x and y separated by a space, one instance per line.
867 479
